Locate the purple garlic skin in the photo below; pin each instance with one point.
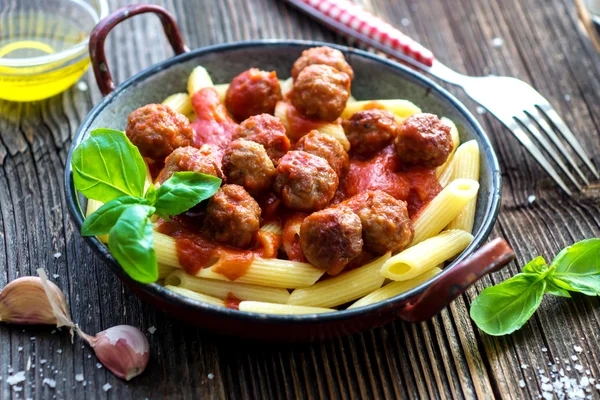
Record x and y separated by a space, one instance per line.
123 349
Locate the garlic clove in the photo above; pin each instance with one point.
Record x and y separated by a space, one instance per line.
29 300
123 349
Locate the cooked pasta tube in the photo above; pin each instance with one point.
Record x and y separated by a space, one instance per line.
165 270
272 227
199 79
179 102
285 309
333 129
196 296
343 288
402 108
416 260
466 165
436 215
286 86
222 289
395 288
271 272
439 171
92 206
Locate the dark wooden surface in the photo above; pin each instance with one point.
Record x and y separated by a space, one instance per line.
446 357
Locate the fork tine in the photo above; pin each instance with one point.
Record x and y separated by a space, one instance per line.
537 117
530 126
522 137
569 136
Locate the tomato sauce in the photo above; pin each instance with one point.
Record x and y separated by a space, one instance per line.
213 125
299 124
290 237
232 302
417 186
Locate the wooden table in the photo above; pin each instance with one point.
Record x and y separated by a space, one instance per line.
536 41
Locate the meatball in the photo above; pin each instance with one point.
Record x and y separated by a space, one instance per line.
321 91
157 130
385 223
190 159
327 147
369 131
322 55
305 182
423 140
246 163
331 238
266 130
252 92
232 216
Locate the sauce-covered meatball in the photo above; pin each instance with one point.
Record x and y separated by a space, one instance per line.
305 182
252 92
246 163
232 216
321 91
157 130
190 159
328 147
385 223
266 130
322 55
369 131
423 140
330 238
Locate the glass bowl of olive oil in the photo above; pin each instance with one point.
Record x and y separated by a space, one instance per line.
44 45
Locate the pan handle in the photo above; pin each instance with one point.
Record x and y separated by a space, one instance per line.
100 31
489 258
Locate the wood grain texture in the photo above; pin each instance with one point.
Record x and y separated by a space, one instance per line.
446 357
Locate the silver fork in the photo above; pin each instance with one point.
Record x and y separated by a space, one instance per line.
525 112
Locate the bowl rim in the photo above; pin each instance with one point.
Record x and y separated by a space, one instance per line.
175 299
101 12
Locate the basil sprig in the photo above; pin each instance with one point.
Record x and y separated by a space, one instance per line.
507 306
108 168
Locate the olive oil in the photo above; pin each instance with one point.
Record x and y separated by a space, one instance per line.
43 52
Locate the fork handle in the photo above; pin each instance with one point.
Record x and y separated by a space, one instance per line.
350 20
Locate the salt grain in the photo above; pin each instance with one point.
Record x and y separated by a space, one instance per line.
567 97
82 86
98 365
57 254
531 199
524 366
578 367
574 358
211 375
49 382
42 361
521 383
16 378
405 22
20 348
107 387
152 329
544 349
59 351
79 377
480 110
17 388
55 276
577 349
497 42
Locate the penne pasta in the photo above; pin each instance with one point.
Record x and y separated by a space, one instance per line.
179 102
286 86
92 206
436 215
427 254
270 272
272 227
395 288
401 108
466 165
439 171
222 289
196 296
285 309
343 288
199 79
327 128
165 270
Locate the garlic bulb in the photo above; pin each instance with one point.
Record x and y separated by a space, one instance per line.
123 349
34 300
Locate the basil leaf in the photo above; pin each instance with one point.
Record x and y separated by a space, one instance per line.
151 194
577 267
536 266
131 242
184 190
104 218
506 307
107 166
553 289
